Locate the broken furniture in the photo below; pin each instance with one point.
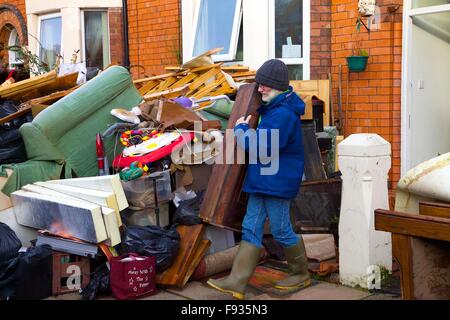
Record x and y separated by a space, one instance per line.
60 141
420 227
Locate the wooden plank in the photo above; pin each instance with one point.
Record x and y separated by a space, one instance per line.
170 93
23 91
235 68
202 79
324 95
221 206
28 83
109 183
158 77
148 86
205 68
412 225
21 112
401 250
435 209
209 87
190 240
198 256
185 80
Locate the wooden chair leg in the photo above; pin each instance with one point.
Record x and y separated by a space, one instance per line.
401 250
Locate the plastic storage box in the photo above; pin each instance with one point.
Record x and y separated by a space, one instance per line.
140 192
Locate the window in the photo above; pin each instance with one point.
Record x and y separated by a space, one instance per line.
96 39
50 38
217 25
15 58
289 24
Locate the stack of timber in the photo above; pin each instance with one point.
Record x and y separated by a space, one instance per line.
83 208
196 79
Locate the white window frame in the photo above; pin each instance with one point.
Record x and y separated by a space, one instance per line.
83 42
408 14
306 38
46 17
12 55
237 20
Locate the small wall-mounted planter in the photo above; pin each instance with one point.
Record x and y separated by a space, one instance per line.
357 63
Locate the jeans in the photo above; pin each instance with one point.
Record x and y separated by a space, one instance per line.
260 207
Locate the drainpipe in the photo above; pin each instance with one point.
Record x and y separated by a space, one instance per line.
126 53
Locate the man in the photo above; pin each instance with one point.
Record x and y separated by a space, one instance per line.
270 194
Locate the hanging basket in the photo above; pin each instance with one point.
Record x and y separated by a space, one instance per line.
357 63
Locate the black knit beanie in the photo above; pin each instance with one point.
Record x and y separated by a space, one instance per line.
274 74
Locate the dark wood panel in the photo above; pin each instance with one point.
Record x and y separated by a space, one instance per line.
190 239
221 206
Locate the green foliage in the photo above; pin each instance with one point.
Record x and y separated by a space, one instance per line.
31 62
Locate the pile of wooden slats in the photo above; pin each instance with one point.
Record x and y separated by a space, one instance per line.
194 83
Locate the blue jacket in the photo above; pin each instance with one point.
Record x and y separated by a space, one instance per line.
283 113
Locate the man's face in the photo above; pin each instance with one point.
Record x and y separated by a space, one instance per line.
267 93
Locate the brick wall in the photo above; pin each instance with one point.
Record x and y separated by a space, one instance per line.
373 104
14 14
154 36
116 35
320 39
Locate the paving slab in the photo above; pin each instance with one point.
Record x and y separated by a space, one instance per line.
196 290
321 291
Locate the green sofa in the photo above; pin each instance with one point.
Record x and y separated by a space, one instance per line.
60 141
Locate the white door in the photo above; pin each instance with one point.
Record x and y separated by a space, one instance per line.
426 81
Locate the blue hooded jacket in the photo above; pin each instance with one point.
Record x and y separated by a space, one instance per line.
282 112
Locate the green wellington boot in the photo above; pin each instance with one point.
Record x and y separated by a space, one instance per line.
298 267
244 265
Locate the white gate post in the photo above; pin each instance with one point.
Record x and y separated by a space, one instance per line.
364 161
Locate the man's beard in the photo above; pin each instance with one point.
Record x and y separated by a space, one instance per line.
270 95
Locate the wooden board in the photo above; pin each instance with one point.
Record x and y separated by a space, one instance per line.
198 256
28 84
412 225
221 205
102 198
191 237
79 219
318 88
435 209
109 183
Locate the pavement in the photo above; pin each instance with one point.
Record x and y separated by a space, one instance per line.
196 290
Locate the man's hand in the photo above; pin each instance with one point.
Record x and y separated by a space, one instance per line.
242 120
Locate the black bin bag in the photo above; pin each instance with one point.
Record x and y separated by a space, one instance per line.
28 276
9 243
161 243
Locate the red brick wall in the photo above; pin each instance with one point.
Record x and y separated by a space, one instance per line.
115 35
154 36
373 104
9 17
320 39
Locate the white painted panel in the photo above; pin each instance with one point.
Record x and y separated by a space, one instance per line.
430 106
